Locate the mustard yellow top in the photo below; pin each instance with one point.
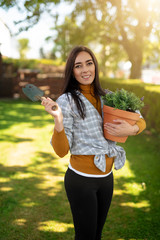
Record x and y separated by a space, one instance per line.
85 163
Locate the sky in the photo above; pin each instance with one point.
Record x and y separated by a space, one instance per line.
36 34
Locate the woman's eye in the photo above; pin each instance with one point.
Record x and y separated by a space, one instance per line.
90 63
77 66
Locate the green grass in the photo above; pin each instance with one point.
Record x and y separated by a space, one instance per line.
33 203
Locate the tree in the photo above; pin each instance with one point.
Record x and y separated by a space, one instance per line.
23 47
67 35
113 23
42 53
32 10
127 23
70 33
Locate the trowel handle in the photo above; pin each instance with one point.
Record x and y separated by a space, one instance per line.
54 107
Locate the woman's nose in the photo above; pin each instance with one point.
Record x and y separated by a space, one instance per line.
85 69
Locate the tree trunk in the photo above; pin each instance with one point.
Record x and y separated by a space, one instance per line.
136 68
135 54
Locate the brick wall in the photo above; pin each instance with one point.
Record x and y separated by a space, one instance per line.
51 84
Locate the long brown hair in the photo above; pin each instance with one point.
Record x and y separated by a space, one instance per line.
72 85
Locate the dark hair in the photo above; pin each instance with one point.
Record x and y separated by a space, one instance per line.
72 85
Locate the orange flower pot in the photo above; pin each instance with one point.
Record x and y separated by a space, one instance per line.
111 114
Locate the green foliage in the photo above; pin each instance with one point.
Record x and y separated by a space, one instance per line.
151 94
32 9
119 28
23 47
124 100
151 50
31 63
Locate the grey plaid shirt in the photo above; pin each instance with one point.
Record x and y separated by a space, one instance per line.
85 136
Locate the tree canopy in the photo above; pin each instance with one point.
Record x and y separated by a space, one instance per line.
127 23
122 28
32 10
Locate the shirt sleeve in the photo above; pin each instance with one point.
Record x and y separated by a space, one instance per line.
141 124
60 143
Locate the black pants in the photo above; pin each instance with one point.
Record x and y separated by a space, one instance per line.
90 200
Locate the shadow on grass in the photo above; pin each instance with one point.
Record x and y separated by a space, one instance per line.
135 209
34 205
14 139
15 112
33 201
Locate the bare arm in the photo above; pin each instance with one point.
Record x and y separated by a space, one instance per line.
122 128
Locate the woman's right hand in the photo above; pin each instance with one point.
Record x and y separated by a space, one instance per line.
48 103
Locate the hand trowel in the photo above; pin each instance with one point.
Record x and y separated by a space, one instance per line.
34 93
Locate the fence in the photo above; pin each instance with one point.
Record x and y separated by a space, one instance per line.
50 83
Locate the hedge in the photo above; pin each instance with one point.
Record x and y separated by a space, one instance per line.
31 63
151 93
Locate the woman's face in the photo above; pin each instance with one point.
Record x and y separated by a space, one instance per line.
84 68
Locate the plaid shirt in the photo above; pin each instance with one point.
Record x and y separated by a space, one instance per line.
85 136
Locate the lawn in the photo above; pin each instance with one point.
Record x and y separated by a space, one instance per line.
33 204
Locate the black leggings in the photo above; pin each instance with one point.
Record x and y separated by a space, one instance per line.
90 200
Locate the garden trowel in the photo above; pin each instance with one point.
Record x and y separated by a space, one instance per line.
34 93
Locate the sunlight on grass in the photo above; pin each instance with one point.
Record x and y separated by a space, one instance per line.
20 175
4 180
124 172
5 189
142 204
48 182
28 203
133 188
33 200
19 155
20 222
129 239
118 192
154 88
54 226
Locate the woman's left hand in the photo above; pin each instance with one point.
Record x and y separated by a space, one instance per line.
121 128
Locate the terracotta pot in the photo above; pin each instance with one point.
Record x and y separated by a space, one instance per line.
111 114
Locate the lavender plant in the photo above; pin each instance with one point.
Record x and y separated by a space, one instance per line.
123 100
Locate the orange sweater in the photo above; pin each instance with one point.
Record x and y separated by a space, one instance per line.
85 163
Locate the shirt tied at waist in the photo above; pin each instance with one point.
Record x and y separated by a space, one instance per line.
119 158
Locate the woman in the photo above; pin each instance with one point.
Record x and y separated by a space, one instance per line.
78 128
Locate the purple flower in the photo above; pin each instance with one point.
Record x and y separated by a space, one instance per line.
107 91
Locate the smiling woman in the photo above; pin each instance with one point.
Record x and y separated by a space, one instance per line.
78 128
84 68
